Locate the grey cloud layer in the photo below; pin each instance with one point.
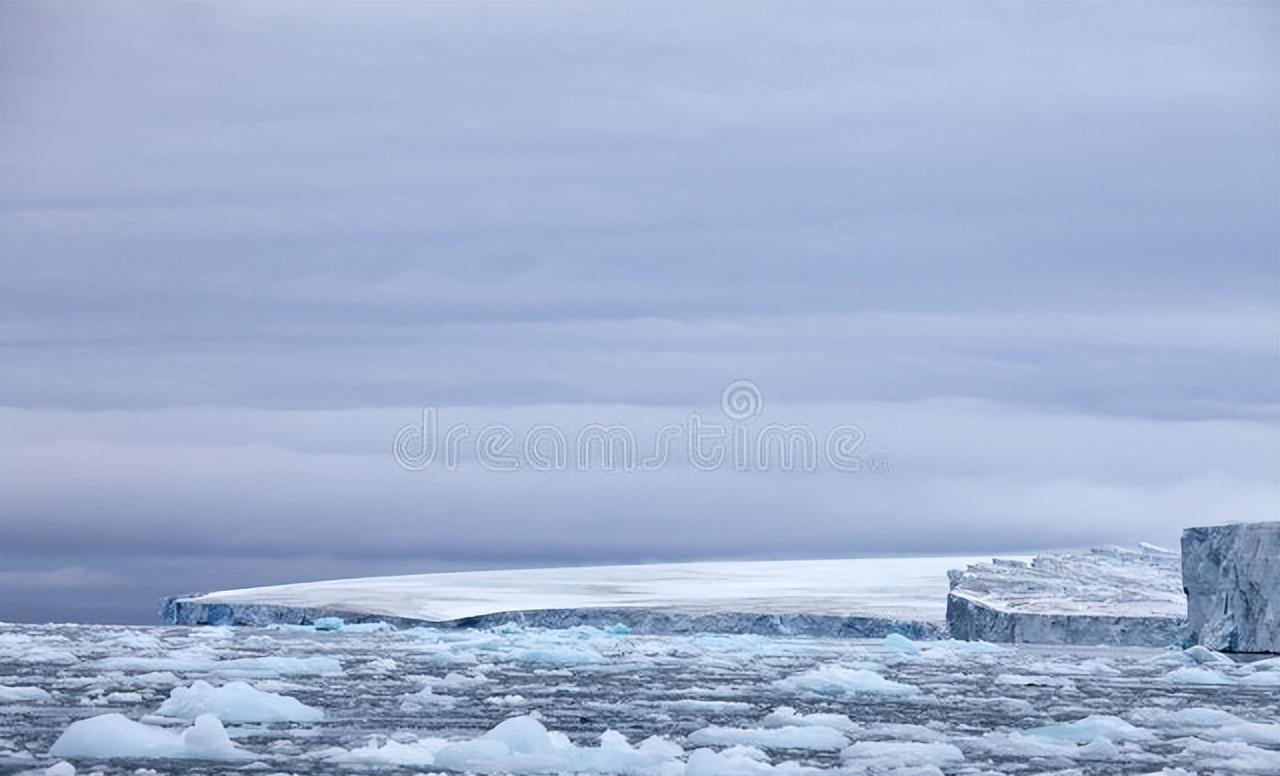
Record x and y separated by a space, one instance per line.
242 243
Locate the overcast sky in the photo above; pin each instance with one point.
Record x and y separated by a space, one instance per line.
1031 250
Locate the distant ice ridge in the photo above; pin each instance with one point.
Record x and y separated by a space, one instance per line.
864 597
1232 579
1109 595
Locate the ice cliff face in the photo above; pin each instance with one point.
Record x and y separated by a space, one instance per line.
1100 596
1231 574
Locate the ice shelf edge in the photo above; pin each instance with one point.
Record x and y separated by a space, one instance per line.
181 610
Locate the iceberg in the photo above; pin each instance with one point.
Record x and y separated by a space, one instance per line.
1109 595
1232 578
235 702
862 597
108 736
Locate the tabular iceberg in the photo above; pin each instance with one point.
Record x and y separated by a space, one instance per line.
1232 578
1101 596
862 597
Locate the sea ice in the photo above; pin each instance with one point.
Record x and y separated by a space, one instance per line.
1231 756
1093 726
739 761
236 702
424 699
883 755
837 680
242 666
792 737
387 753
1212 724
115 735
522 745
704 706
23 694
899 643
1261 679
785 716
1197 676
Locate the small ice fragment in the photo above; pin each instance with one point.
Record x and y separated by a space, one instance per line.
1082 731
885 755
1197 676
794 737
785 716
899 643
836 680
23 694
329 623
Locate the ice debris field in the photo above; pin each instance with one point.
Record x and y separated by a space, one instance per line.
369 698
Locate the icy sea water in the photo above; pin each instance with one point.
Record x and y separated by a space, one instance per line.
888 706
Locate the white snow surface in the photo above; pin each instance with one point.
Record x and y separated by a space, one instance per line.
896 588
1115 581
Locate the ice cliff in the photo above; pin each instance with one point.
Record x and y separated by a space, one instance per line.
1231 574
1100 596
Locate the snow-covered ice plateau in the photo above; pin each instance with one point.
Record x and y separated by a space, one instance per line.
1107 595
851 597
370 698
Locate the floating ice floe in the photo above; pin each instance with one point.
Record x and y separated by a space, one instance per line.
1210 724
454 681
1192 656
901 731
739 761
521 745
885 755
236 702
1235 756
241 666
785 716
425 698
1197 676
1261 679
899 643
109 736
838 680
1021 745
23 694
792 737
1082 731
699 706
